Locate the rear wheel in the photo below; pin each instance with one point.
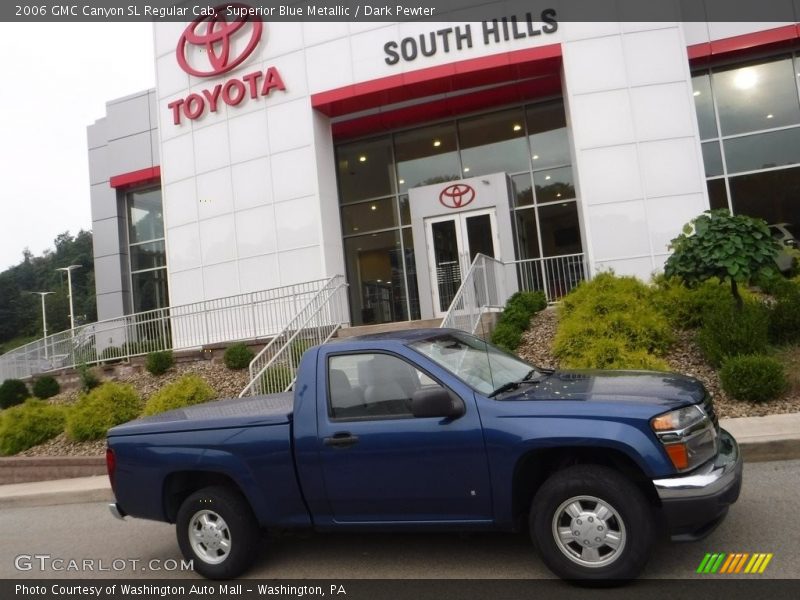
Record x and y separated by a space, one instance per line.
217 530
592 525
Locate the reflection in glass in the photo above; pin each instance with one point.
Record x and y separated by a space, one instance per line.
712 159
522 189
554 185
773 195
426 156
149 290
411 274
405 210
368 216
757 96
446 261
365 169
527 234
547 131
148 256
145 216
704 106
493 143
560 230
717 195
763 150
479 236
375 274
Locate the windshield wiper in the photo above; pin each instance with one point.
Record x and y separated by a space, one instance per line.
512 385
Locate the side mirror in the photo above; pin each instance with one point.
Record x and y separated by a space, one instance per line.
436 402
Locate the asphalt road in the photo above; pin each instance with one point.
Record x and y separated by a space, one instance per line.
764 520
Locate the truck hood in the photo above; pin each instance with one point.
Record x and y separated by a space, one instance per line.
253 411
668 390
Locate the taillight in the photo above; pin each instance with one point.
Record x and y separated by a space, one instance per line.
111 466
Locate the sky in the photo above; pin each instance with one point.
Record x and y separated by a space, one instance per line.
55 81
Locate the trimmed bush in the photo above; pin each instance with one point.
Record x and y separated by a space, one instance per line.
784 314
276 379
685 307
186 391
29 424
158 363
728 331
13 392
238 356
46 387
612 323
112 355
101 409
516 318
755 378
89 379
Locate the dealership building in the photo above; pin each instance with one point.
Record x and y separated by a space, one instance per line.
271 154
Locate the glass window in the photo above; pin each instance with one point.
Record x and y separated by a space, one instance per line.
426 156
148 256
527 234
712 159
704 106
375 274
365 169
368 216
145 218
370 386
763 150
772 195
560 230
149 290
547 131
522 189
493 143
405 210
554 185
757 96
411 274
717 195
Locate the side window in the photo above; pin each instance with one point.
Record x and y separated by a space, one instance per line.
373 385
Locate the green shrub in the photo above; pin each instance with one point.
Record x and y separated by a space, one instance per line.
238 356
89 379
101 409
685 307
186 391
612 322
755 378
507 336
29 424
728 331
276 379
46 387
158 363
111 355
516 318
13 392
784 318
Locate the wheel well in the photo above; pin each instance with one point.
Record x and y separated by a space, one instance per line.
535 467
180 485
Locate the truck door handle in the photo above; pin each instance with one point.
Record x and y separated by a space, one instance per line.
341 440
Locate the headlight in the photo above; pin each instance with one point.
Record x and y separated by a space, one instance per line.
688 436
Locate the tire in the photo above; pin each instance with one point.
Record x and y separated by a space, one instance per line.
217 530
604 520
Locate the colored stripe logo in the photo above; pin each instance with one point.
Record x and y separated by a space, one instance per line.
735 562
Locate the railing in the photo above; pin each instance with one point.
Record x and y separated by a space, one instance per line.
254 315
274 369
556 276
484 288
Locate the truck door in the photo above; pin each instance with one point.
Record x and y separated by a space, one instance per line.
380 463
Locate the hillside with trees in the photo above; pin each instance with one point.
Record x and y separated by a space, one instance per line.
21 311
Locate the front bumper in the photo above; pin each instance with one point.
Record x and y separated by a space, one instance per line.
693 505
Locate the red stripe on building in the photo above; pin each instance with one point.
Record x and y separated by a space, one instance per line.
778 37
136 178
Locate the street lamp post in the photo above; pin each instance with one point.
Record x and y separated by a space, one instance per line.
44 320
69 285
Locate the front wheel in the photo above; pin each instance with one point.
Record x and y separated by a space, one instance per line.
218 532
592 525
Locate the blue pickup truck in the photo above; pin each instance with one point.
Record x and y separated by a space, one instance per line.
437 430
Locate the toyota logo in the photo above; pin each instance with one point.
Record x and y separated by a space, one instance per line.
214 34
457 195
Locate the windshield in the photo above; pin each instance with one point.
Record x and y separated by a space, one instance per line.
480 365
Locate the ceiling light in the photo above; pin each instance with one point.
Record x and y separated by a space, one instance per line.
402 181
517 126
373 207
697 92
558 195
437 143
535 157
770 116
355 228
362 158
746 78
466 169
380 280
547 177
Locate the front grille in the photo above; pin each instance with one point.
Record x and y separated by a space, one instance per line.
708 406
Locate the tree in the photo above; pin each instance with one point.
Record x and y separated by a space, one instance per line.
732 248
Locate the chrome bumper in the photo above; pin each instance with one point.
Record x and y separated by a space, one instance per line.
712 479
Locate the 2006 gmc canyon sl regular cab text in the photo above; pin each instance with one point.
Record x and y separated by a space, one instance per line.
437 430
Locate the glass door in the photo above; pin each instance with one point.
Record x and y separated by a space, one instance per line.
453 242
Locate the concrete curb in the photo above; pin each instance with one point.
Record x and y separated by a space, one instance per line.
774 437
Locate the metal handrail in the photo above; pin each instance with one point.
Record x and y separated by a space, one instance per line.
274 369
483 288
